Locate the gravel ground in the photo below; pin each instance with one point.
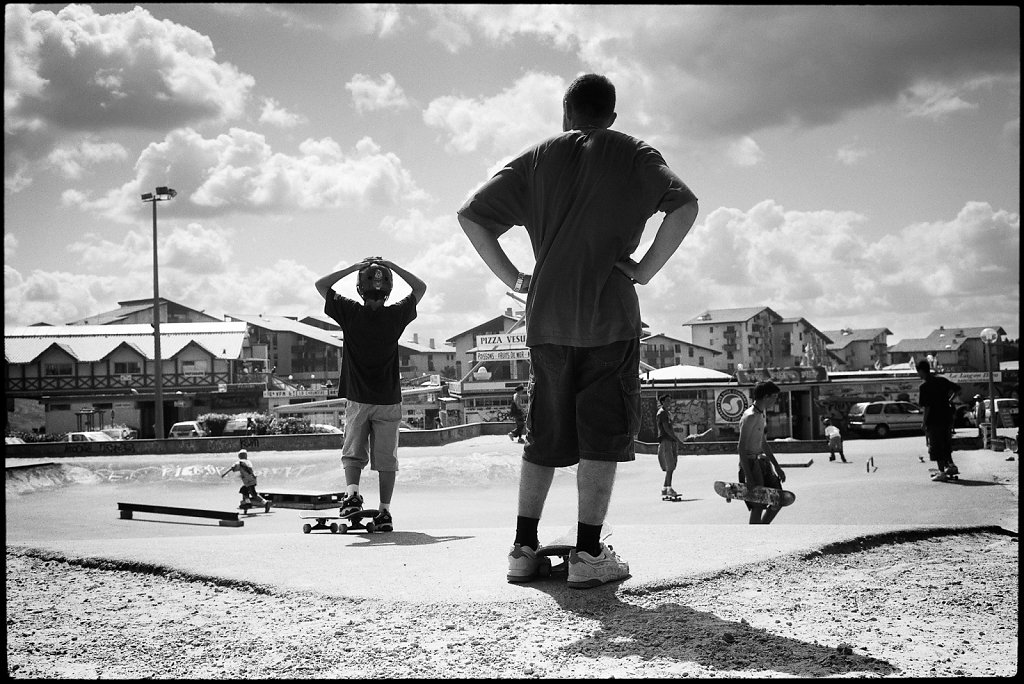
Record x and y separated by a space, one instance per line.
918 605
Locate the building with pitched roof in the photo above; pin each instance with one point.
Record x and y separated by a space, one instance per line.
858 349
952 349
798 343
140 311
661 351
89 375
745 335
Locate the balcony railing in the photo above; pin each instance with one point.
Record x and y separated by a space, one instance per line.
125 383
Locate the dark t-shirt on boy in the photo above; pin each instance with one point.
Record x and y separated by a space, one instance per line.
369 361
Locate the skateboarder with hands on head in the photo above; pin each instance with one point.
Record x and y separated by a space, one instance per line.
758 466
248 489
370 377
584 197
668 452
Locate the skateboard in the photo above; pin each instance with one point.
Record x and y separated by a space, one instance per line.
352 521
561 548
246 507
951 474
762 495
672 497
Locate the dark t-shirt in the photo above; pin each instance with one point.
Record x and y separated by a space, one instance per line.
369 359
935 398
584 198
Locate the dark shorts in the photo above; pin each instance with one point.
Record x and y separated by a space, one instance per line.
668 455
940 443
584 403
768 479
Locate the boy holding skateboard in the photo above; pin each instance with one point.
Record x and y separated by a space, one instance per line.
758 466
584 197
370 377
248 475
668 452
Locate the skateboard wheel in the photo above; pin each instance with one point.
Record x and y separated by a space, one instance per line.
306 528
370 527
334 528
340 528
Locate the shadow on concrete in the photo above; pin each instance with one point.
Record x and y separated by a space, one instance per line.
400 539
678 633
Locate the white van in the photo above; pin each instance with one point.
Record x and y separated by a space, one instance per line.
188 428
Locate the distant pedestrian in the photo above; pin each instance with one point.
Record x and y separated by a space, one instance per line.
519 407
936 398
668 445
758 466
835 441
248 489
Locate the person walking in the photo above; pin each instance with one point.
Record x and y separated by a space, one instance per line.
518 408
370 377
584 197
668 445
758 467
936 399
835 441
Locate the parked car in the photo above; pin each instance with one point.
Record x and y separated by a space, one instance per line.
91 436
879 418
1009 407
184 429
237 427
116 433
323 427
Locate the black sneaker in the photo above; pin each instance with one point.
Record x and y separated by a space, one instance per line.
351 504
382 522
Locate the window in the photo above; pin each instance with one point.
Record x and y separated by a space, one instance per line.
691 352
64 369
711 329
194 367
678 348
129 367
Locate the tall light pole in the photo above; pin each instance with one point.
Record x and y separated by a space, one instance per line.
161 194
988 336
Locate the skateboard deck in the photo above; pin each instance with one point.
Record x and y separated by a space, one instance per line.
671 497
561 548
246 508
762 495
950 474
353 521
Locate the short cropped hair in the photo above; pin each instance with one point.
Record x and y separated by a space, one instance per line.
591 97
663 397
924 366
765 389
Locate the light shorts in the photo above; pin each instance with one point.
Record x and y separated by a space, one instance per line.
584 403
371 436
668 454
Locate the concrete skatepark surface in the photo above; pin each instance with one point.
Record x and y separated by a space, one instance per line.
454 511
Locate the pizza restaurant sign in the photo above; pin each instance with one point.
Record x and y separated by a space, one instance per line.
516 339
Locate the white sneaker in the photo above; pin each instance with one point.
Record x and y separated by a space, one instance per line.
586 571
523 564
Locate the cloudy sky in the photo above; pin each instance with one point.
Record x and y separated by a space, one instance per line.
856 166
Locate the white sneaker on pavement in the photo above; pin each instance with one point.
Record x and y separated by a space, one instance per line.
523 564
586 571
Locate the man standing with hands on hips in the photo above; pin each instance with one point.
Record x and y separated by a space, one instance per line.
584 197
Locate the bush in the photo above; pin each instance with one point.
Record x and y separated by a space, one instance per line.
214 423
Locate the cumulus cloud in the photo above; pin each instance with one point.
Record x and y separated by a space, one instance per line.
369 95
72 160
733 70
503 124
276 115
239 172
827 267
79 70
745 152
850 154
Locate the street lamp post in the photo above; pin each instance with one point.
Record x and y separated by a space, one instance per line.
161 194
988 336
